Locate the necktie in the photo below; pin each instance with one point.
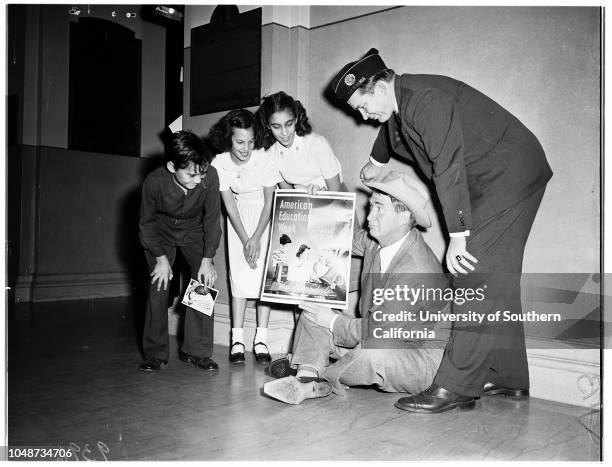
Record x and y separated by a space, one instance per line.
376 262
376 278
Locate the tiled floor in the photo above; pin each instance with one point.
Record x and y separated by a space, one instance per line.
73 381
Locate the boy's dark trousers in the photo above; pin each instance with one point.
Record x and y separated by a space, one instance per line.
199 327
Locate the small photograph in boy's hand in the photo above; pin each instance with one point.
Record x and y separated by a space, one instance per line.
200 297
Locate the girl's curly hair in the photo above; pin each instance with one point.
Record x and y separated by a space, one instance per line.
277 103
220 135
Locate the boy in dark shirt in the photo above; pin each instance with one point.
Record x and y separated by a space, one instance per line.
179 209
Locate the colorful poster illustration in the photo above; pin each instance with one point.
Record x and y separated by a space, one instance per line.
309 257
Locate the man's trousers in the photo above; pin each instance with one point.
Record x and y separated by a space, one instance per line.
495 350
393 370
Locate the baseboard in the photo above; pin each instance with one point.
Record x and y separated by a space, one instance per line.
23 288
57 287
564 374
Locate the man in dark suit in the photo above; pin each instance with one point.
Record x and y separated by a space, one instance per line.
370 350
490 173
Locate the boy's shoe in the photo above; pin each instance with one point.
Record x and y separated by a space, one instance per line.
153 364
207 363
187 358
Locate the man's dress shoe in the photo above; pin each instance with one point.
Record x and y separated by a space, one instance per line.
263 356
152 364
205 363
492 389
292 390
281 367
236 357
435 399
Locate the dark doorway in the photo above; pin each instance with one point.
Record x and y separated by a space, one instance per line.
105 88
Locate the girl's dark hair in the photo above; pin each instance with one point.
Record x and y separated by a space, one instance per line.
368 85
184 147
220 135
284 239
302 249
277 103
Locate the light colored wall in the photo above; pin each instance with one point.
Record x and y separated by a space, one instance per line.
326 14
542 64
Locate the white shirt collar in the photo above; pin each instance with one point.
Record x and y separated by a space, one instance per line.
388 252
296 146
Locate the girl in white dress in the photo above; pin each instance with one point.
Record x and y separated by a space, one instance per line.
304 159
247 179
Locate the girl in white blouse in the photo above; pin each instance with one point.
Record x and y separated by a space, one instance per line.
303 158
247 179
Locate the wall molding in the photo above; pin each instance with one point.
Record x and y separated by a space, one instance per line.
57 287
564 374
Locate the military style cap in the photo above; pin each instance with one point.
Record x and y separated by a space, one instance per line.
354 74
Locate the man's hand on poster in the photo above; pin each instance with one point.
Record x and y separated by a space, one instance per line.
457 257
319 314
162 272
207 274
370 172
252 249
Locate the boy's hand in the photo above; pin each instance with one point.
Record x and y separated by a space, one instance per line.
162 272
207 274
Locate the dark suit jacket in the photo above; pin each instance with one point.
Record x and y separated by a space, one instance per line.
481 158
414 265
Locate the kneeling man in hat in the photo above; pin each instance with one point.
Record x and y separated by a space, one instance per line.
383 347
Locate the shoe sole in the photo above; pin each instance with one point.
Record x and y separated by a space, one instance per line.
455 405
292 391
513 393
